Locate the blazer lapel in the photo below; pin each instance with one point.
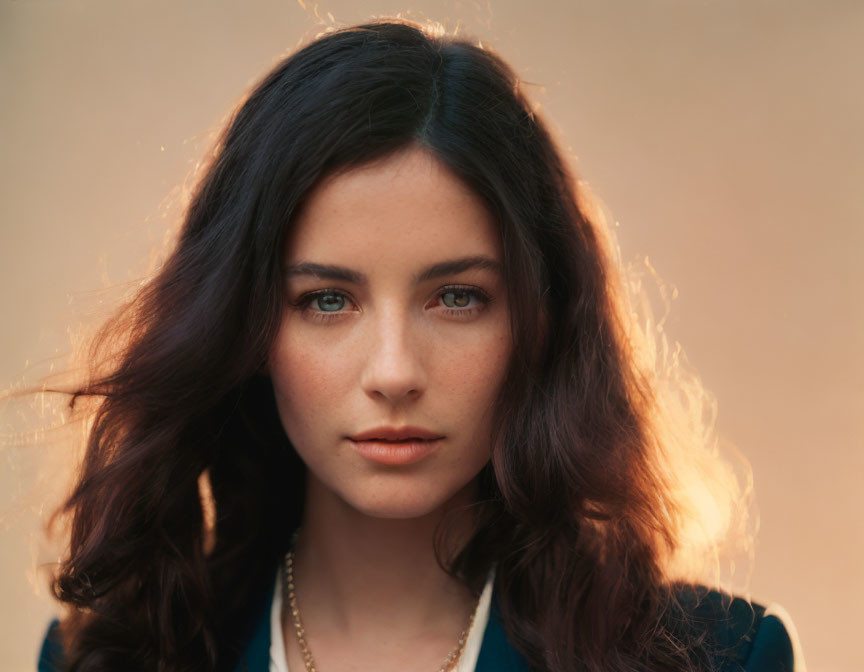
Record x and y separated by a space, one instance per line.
256 656
496 652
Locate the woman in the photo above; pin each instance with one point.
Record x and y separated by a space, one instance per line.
382 408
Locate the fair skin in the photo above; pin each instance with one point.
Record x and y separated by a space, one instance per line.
388 348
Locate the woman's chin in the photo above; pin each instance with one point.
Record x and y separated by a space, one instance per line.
393 496
396 505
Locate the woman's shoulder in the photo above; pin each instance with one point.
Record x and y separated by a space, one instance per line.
744 634
51 653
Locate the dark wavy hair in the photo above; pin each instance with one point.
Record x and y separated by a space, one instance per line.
577 507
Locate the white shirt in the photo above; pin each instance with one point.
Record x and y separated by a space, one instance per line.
467 661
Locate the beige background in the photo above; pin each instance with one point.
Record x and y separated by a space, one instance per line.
726 137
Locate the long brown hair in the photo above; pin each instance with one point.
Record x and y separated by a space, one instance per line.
580 508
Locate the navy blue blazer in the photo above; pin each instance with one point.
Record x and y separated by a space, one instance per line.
750 639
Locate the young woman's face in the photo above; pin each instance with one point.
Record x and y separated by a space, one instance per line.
396 316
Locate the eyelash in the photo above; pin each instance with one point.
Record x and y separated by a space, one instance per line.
482 297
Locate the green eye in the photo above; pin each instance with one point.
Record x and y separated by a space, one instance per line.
329 303
464 302
324 305
457 298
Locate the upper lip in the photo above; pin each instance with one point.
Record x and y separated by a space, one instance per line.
395 434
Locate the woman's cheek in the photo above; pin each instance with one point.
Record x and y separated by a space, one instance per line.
305 371
474 369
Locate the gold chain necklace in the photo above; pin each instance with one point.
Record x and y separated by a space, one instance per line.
451 660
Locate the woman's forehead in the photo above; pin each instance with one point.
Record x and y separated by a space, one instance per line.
408 203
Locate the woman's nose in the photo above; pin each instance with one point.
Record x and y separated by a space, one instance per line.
393 368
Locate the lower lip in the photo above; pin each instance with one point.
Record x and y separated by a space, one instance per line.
386 452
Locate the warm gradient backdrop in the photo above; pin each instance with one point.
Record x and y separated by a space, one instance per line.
726 137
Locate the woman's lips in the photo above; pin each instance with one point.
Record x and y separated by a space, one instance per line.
396 452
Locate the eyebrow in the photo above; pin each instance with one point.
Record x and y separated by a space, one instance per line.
442 268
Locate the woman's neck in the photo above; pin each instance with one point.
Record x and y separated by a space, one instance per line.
358 575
